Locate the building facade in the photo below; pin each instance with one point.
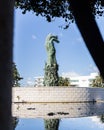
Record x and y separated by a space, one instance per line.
81 81
39 81
75 81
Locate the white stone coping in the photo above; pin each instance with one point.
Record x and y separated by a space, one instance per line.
57 94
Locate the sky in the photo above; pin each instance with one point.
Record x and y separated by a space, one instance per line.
89 123
29 52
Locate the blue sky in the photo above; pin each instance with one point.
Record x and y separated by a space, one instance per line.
29 51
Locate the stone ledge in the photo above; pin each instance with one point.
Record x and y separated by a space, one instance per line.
57 94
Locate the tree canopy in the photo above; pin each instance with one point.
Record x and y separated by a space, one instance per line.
16 76
97 82
50 9
63 81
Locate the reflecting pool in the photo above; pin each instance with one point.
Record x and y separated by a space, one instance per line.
83 123
58 116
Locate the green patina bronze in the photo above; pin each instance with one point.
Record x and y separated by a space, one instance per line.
51 67
51 75
51 51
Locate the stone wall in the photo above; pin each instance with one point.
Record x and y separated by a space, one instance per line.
56 94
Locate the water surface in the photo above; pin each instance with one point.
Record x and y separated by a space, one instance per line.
59 116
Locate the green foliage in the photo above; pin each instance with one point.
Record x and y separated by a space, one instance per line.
51 9
63 81
51 75
16 76
97 82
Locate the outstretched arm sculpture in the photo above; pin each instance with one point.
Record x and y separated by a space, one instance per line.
51 52
51 66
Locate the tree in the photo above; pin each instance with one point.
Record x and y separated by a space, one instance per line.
16 76
63 81
97 82
51 9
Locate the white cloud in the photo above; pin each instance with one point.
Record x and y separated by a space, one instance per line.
97 121
79 40
70 74
30 82
60 34
34 37
93 68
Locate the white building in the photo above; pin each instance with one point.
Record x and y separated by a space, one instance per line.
38 81
81 81
75 81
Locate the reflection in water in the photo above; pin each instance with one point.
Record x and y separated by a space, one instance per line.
15 121
57 110
83 123
102 118
51 124
53 113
